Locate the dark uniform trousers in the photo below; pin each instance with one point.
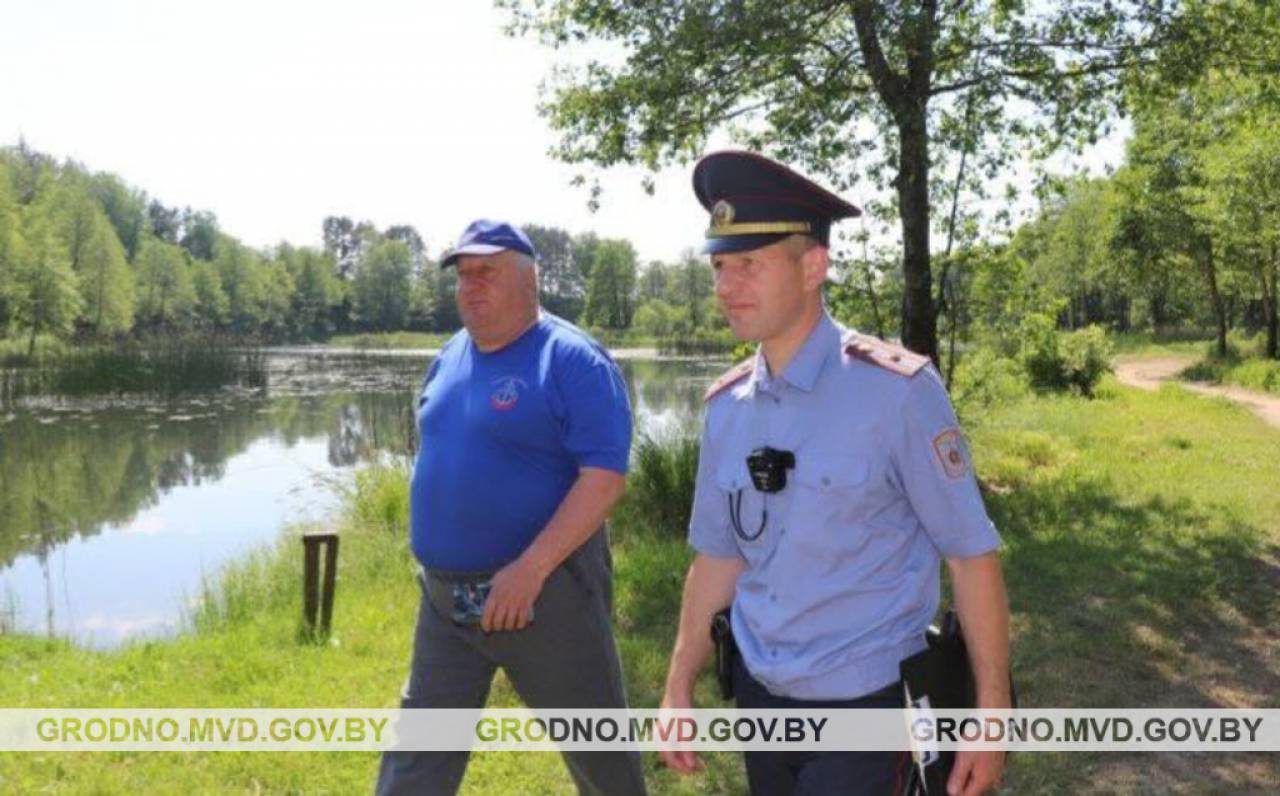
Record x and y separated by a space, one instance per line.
809 773
566 658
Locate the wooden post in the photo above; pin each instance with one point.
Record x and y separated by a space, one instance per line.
313 602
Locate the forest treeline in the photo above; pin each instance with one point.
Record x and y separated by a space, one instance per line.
86 256
1185 234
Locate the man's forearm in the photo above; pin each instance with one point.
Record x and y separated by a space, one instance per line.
708 588
983 608
579 515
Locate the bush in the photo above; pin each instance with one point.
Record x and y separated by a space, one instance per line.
984 379
660 485
1085 357
1038 352
1057 361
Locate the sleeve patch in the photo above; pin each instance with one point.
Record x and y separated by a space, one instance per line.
952 454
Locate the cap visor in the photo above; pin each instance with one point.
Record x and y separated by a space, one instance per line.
738 243
470 248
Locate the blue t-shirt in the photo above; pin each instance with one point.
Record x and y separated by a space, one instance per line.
502 435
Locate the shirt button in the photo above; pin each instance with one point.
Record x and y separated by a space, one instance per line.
773 598
826 481
773 653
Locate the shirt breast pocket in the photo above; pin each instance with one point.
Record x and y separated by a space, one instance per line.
831 491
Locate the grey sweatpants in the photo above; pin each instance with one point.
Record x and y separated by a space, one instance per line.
566 658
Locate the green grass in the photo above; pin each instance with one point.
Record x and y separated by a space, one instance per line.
13 350
1252 373
1142 550
660 485
160 367
1245 365
391 340
1172 343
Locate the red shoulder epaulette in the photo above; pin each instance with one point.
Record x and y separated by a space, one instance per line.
890 356
729 378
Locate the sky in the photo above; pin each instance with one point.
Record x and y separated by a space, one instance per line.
276 114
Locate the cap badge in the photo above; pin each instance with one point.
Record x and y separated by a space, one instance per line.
721 214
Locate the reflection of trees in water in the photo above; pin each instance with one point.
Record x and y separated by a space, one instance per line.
78 473
659 387
77 470
372 422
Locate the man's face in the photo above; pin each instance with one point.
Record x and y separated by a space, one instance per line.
763 291
496 293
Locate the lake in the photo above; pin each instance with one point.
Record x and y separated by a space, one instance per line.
115 511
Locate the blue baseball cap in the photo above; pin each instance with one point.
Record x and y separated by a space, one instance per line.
486 236
755 201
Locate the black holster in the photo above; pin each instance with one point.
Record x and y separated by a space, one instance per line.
940 677
726 649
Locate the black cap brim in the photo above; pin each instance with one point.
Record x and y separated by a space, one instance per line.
739 243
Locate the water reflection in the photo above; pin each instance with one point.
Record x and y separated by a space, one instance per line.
113 512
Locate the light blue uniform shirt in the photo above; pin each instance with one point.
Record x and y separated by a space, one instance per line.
844 577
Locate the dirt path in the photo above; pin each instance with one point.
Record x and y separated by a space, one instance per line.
1150 373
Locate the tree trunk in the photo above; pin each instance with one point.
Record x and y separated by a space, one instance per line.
875 304
1210 271
1270 272
919 321
906 95
31 346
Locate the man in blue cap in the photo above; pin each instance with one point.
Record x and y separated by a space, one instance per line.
832 481
525 431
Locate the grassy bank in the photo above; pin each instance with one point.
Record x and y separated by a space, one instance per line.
1245 365
385 341
158 367
1142 546
1171 343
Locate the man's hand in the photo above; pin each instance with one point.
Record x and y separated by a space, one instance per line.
510 604
975 772
683 761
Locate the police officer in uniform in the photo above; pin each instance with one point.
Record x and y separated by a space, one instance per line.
833 480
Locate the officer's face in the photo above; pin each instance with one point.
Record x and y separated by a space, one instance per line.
496 294
765 291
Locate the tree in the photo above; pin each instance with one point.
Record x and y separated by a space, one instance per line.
561 286
106 283
887 88
30 171
10 242
241 274
611 286
199 233
1242 201
348 241
212 304
315 289
78 215
690 284
277 298
45 294
444 281
1162 192
653 282
165 222
381 286
1074 259
126 209
406 234
165 287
